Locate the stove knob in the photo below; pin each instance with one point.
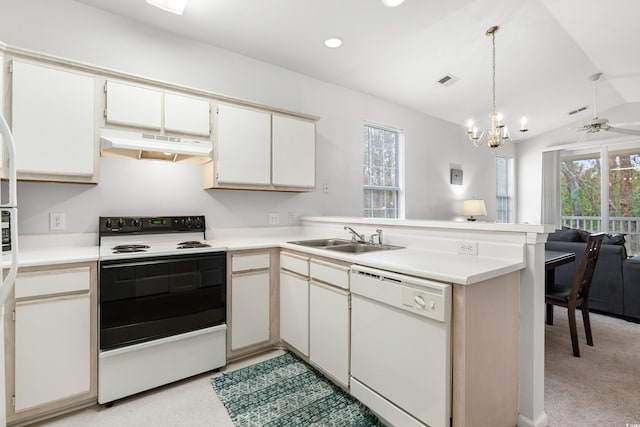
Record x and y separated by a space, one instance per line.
198 222
120 223
108 223
136 223
189 222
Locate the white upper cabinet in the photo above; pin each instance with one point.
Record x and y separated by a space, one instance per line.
152 108
186 114
135 106
258 150
243 146
294 149
53 121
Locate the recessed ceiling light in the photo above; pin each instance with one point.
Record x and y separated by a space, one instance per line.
392 3
173 6
333 42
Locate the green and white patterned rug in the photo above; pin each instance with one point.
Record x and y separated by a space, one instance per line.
284 391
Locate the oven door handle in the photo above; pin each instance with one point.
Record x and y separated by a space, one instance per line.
147 261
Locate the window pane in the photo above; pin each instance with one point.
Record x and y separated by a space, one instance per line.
624 196
380 203
380 170
504 189
580 193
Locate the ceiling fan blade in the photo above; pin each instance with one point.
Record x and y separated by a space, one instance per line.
625 131
623 125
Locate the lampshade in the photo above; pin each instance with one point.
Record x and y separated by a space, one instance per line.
473 207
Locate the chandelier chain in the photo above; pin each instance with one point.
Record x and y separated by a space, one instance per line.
493 37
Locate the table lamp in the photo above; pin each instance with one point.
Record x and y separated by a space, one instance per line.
473 207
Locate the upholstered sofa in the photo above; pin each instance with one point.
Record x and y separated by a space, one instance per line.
615 288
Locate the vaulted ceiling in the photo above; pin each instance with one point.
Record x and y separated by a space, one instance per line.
545 49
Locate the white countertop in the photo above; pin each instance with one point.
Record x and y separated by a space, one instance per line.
445 267
438 265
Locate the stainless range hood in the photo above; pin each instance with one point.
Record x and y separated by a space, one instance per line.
141 145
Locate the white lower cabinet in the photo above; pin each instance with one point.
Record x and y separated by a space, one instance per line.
51 341
329 330
294 311
250 309
53 344
329 314
250 286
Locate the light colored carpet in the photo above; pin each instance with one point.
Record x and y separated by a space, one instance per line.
600 388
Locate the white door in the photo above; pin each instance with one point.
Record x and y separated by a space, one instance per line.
52 120
243 146
52 355
249 309
294 152
294 311
329 330
186 114
132 105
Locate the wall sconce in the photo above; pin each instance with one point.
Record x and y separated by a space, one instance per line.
473 207
456 176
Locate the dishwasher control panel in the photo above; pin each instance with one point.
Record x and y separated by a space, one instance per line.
423 297
422 302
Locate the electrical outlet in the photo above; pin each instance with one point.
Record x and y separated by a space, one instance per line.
56 221
467 248
274 218
292 217
325 188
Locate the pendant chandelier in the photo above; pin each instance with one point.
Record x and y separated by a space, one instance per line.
499 133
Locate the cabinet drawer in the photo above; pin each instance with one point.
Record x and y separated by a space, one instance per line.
333 274
249 262
296 263
52 282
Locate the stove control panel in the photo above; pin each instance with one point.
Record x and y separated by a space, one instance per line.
120 225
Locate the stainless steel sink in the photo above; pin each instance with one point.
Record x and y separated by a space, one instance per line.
358 248
319 243
342 245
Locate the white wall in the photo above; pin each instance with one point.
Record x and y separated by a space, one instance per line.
529 157
75 31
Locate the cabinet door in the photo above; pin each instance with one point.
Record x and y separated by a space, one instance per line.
52 349
249 309
329 330
136 106
294 311
294 152
243 146
52 120
185 114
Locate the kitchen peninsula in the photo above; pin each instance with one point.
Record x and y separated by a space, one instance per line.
497 332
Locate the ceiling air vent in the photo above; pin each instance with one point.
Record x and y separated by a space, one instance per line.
448 80
578 110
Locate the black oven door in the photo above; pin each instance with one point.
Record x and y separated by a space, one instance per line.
143 299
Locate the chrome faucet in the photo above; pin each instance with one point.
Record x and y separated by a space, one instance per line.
356 237
377 234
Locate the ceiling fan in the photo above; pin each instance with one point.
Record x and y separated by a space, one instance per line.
597 124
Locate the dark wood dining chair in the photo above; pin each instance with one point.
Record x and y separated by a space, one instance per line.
576 294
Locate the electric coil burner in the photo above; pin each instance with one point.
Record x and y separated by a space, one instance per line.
123 249
162 312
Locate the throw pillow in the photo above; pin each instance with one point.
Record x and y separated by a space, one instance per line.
565 235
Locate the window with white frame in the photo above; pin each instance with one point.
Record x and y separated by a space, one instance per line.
504 189
381 171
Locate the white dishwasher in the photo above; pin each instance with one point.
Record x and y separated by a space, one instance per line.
401 347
